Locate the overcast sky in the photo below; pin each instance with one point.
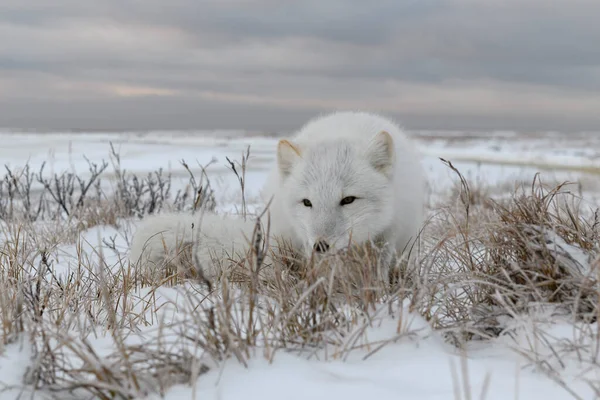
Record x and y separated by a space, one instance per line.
271 64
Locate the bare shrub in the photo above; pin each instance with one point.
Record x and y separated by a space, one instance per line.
31 196
537 247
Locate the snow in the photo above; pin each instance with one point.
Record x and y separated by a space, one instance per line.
416 363
14 362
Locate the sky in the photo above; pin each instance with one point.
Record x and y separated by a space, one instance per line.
272 64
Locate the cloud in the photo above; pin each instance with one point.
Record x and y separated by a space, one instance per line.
457 62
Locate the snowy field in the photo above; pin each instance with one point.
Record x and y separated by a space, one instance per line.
398 355
491 157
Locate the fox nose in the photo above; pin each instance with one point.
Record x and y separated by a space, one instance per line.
321 246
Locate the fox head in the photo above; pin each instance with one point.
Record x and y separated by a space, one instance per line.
337 193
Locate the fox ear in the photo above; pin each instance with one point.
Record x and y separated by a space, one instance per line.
288 155
381 152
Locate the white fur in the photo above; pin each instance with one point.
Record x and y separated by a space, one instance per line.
337 155
347 154
158 237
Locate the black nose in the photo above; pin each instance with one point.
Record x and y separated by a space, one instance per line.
321 246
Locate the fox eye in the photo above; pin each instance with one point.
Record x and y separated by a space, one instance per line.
347 200
306 203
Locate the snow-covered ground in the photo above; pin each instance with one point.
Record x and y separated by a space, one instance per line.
416 363
493 157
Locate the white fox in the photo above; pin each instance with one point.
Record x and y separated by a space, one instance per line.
347 177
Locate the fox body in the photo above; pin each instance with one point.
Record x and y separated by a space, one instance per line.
180 239
347 178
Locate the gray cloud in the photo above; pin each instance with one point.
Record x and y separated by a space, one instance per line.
441 63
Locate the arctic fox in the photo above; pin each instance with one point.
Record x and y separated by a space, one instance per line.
347 178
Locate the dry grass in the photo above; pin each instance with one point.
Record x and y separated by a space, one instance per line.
538 247
481 265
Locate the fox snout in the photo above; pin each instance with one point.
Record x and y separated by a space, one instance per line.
321 246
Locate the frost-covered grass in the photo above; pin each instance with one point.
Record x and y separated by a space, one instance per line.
501 302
